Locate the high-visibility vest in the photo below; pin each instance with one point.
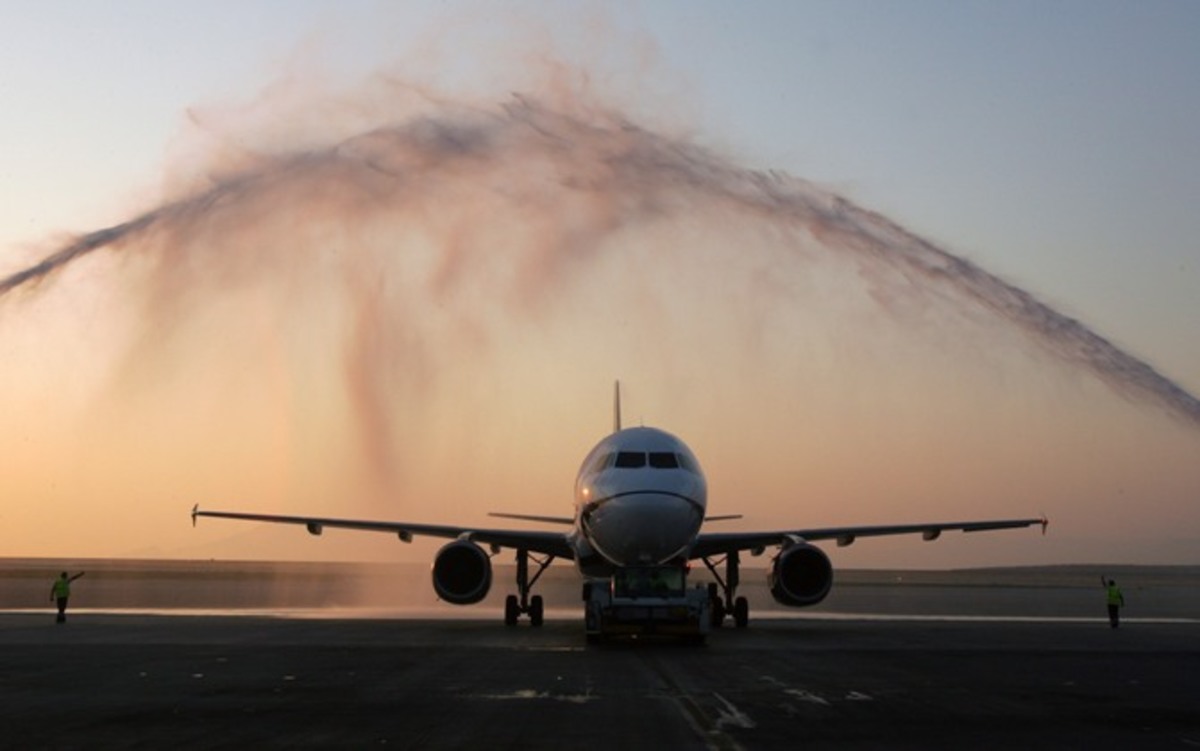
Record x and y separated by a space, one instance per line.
62 588
1114 595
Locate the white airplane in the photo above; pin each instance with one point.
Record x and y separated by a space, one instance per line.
640 500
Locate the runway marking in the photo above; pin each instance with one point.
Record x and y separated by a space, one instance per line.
533 694
810 697
731 715
710 729
807 696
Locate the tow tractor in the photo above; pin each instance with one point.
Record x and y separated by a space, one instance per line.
646 600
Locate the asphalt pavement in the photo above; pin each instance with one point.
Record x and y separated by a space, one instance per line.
110 680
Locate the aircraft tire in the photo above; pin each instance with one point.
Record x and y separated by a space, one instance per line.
718 613
741 612
536 610
512 610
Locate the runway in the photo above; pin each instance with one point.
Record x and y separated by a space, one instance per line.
152 681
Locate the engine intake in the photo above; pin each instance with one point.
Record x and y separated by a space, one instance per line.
462 573
800 575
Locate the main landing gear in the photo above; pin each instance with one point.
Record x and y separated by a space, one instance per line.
515 605
723 601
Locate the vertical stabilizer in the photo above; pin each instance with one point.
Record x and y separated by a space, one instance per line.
616 406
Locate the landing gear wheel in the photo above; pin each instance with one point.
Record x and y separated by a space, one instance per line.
512 610
722 591
536 609
741 612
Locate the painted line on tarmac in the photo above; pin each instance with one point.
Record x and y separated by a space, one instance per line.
709 727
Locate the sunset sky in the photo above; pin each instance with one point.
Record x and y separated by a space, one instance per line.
388 258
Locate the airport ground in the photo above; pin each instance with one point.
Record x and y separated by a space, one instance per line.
1035 675
157 681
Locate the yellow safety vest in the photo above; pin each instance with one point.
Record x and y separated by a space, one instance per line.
1114 596
62 588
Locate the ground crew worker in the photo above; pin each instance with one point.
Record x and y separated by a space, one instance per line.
60 591
1116 600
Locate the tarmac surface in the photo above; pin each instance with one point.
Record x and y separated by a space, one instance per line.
112 680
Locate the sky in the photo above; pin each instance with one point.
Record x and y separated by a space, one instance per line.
403 250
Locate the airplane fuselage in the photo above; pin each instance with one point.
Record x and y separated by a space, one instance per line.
640 498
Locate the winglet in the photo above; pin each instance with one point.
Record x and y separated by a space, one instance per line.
195 513
616 406
1045 523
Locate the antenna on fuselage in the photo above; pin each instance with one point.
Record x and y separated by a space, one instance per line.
616 406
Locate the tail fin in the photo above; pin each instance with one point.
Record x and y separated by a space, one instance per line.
616 406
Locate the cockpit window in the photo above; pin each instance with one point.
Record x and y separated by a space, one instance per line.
630 459
653 459
663 460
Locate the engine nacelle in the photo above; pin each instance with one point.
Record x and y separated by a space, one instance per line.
800 575
462 573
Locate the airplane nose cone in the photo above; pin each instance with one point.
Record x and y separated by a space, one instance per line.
643 528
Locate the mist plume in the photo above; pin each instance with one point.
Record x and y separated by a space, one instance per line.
511 203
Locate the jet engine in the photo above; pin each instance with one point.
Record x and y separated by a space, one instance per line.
800 575
462 573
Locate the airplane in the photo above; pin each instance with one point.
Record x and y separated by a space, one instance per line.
640 501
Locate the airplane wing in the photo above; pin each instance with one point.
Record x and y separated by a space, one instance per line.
546 543
718 543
